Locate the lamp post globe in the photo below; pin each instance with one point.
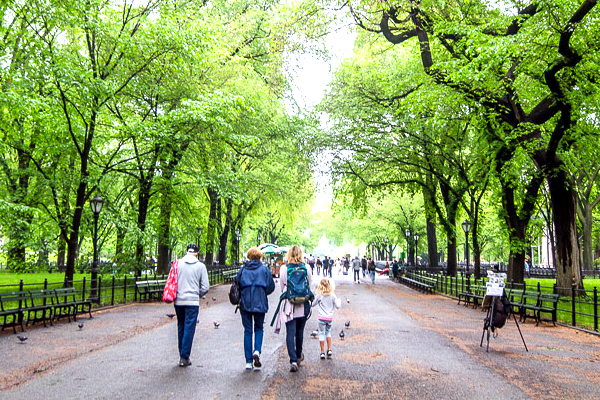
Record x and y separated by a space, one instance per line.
96 206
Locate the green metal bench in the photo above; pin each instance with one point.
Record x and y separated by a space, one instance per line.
11 309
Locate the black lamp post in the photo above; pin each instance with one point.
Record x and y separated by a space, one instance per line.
386 249
199 235
416 236
96 206
238 236
407 245
466 225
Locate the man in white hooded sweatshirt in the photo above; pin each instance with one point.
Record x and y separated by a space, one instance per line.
192 283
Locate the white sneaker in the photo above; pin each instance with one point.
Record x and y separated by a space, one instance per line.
248 366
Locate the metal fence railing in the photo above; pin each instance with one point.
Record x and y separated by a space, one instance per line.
576 307
112 289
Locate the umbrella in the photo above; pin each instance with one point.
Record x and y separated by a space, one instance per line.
283 249
270 250
262 246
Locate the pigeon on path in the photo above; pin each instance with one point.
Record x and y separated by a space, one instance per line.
22 338
347 324
214 299
80 325
216 324
347 300
170 315
314 334
342 334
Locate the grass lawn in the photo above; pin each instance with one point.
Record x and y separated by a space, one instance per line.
11 278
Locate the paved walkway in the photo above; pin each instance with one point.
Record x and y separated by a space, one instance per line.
400 344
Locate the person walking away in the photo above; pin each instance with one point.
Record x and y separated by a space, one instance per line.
192 283
294 316
319 265
256 283
327 302
346 265
356 269
330 266
527 267
363 265
371 268
325 265
395 270
311 262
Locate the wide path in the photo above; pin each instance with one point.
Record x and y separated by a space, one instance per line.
400 344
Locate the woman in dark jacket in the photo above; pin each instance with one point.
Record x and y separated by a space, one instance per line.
256 283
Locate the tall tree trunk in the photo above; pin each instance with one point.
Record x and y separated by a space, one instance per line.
225 233
212 223
429 202
587 223
61 247
568 261
19 229
451 207
164 231
143 201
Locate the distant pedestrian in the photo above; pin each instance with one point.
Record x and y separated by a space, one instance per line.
527 267
293 315
346 265
363 265
371 268
327 302
192 282
311 262
356 269
319 265
256 283
330 266
395 270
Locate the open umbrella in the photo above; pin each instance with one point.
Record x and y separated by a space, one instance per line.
262 246
283 250
270 250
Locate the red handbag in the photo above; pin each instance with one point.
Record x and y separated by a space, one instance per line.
170 292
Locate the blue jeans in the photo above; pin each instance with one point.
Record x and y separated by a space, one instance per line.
356 275
186 328
259 320
372 274
294 337
324 330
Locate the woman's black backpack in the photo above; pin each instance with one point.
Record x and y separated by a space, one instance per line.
235 293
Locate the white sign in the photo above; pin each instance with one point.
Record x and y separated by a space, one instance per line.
495 283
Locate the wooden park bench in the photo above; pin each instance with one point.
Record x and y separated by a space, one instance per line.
424 287
229 275
41 306
473 294
11 309
68 305
149 289
537 303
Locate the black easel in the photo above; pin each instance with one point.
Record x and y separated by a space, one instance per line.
488 323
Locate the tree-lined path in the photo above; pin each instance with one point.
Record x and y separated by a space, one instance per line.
400 344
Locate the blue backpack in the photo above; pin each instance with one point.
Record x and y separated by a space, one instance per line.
298 288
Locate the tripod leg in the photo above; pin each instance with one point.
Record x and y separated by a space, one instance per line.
486 326
491 324
519 328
